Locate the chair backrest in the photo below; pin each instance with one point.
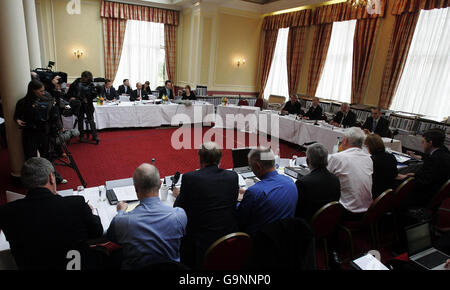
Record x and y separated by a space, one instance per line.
378 207
110 184
439 197
326 219
12 196
243 103
259 103
402 192
274 99
231 252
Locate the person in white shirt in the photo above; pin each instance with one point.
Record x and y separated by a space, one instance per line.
354 169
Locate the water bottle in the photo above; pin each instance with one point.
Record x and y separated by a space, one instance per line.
277 162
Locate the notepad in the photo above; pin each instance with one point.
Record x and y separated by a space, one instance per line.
126 193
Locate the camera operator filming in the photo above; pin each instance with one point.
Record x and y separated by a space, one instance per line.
38 117
81 94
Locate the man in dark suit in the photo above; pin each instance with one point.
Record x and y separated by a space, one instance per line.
344 117
125 88
138 94
292 106
377 124
209 197
435 170
319 187
109 92
42 227
167 90
315 111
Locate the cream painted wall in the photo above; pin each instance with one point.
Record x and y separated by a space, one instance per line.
61 33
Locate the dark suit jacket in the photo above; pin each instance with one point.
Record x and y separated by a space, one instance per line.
134 95
42 227
209 197
384 173
112 94
314 114
431 175
122 90
349 120
148 90
315 190
163 92
382 128
295 108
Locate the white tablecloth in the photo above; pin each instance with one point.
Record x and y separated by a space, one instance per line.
131 115
243 118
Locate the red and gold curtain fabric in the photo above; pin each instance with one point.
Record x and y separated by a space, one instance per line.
285 20
113 35
135 12
270 41
410 6
295 47
363 50
319 51
170 39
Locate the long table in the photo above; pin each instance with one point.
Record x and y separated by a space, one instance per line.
287 128
141 114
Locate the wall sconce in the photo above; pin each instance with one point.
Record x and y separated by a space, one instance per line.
240 62
78 53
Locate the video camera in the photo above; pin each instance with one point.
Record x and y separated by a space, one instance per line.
46 76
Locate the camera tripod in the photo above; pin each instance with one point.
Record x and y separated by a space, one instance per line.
70 162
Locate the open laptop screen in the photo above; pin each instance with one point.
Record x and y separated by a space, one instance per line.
240 157
418 238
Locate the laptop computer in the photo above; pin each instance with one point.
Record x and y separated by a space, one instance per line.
420 250
240 162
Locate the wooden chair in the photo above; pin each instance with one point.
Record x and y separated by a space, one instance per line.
231 252
435 203
399 197
370 219
324 222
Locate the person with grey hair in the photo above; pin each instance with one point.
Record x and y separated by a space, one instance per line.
209 196
271 199
319 187
315 111
354 168
345 117
43 227
152 232
292 106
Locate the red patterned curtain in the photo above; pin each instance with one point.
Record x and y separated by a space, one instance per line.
270 41
115 15
295 48
363 50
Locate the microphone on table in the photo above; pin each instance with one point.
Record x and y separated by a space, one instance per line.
175 179
395 133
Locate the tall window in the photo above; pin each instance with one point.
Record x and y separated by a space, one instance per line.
336 80
143 54
424 87
277 82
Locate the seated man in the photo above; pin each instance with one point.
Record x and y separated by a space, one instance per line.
125 89
319 187
292 106
109 92
209 197
42 227
167 90
377 124
138 94
344 117
435 170
269 200
152 232
315 111
354 169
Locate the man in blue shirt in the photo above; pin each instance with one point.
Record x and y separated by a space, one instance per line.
152 232
271 199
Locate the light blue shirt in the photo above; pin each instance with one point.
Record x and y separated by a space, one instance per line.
269 200
149 234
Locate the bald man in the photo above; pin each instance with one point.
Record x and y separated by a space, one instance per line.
344 118
152 232
315 111
138 94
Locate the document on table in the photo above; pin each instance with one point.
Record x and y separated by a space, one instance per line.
401 158
126 193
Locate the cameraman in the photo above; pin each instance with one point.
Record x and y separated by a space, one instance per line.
81 94
38 117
